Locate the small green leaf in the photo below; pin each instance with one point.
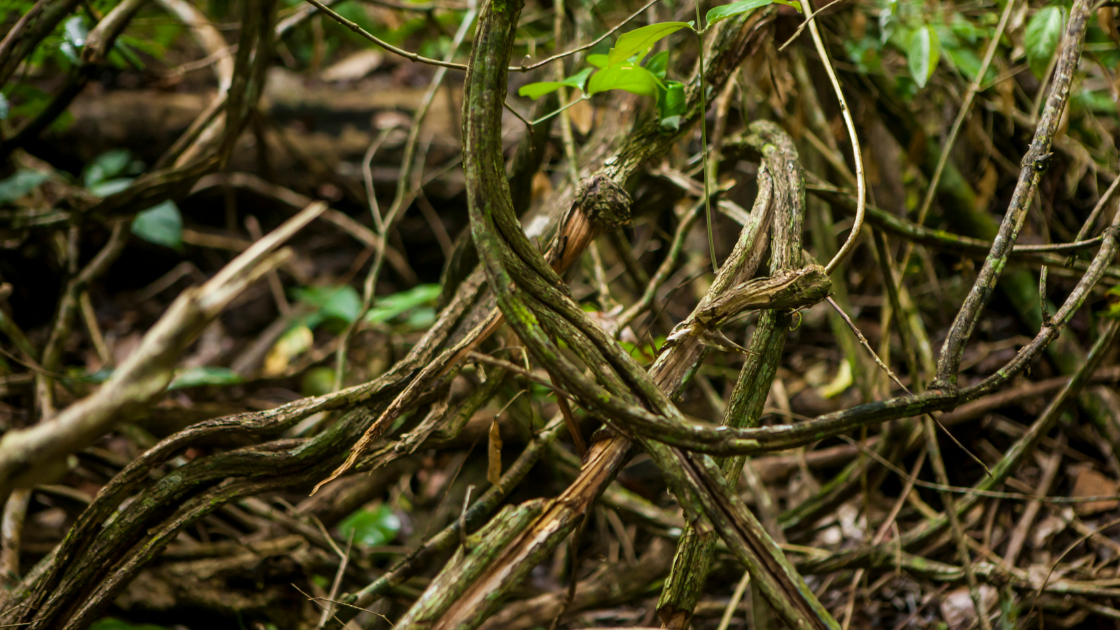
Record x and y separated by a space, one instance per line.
162 225
334 302
539 89
1042 36
633 79
925 50
715 14
579 79
599 61
659 64
205 375
672 100
371 528
390 306
642 39
5 109
106 166
21 183
110 186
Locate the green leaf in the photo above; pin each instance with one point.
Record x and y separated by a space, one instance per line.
371 528
633 79
109 623
106 166
539 89
21 183
334 302
715 14
640 40
579 79
672 100
390 306
659 64
925 50
5 109
110 186
162 225
205 375
1042 36
599 61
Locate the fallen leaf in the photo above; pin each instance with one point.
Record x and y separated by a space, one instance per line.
494 468
1090 483
957 609
582 115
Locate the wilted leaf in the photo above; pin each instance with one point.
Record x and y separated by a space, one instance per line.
640 40
1090 483
924 53
291 344
1042 36
162 225
371 528
494 465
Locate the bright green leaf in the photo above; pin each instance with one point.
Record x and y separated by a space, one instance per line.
715 14
21 183
659 64
205 375
1042 36
106 166
539 89
162 225
672 99
640 40
599 61
334 302
579 79
390 306
371 528
925 50
633 79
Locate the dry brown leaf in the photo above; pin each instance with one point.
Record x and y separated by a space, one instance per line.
541 185
582 115
1090 483
494 467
